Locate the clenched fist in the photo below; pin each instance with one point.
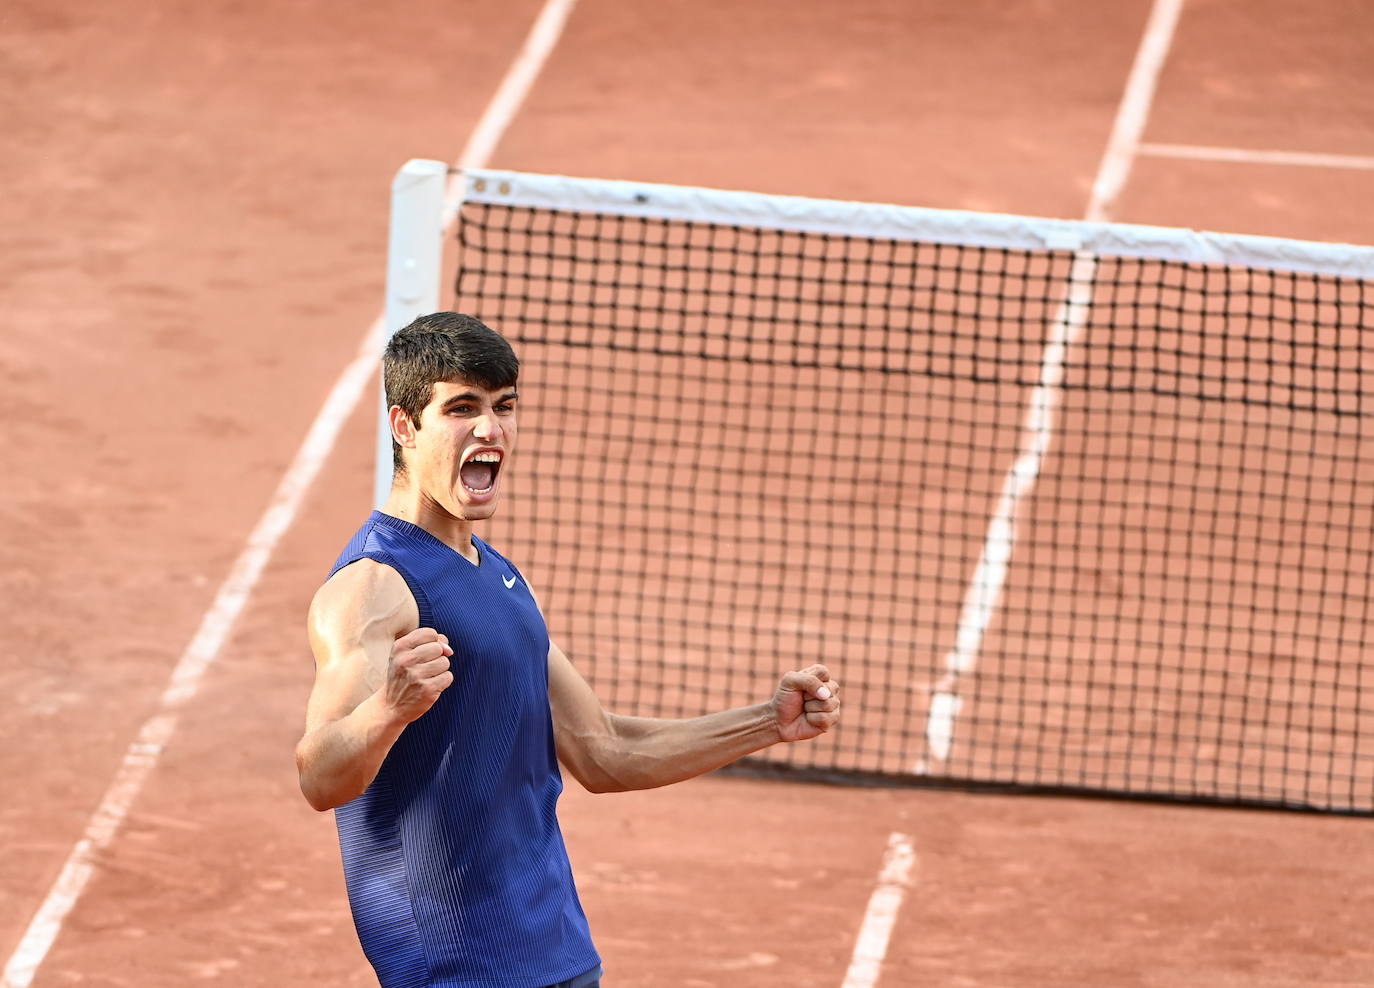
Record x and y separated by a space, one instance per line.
417 673
806 704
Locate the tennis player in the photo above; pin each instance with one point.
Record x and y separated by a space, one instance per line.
441 709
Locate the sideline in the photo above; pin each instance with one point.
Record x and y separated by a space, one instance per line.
143 753
894 878
985 587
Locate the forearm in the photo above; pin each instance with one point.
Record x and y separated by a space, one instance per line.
643 752
339 759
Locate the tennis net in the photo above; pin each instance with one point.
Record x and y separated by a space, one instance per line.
1064 506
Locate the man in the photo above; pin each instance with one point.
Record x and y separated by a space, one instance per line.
441 710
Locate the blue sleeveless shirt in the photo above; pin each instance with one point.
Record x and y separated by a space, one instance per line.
455 865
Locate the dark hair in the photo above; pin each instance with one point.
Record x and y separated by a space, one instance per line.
444 346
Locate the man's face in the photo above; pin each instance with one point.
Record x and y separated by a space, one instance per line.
463 445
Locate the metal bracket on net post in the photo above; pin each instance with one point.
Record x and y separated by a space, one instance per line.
415 251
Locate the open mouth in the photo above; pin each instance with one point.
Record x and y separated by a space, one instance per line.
479 471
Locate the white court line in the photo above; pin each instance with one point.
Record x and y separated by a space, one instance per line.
1134 110
143 753
1246 156
515 86
985 587
870 950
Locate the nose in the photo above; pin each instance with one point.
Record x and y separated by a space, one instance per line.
487 428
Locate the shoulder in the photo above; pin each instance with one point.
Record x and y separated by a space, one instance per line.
363 594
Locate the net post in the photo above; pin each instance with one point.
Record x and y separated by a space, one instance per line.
414 254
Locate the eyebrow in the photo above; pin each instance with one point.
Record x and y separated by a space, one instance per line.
474 396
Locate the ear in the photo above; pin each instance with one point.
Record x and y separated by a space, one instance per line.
402 428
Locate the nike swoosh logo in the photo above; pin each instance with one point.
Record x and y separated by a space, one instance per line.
509 583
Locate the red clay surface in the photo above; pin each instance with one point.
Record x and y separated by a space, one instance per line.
194 235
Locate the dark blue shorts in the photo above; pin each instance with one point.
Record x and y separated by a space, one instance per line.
587 979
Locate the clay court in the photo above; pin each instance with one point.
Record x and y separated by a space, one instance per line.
196 240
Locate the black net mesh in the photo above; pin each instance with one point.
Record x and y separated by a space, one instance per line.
747 450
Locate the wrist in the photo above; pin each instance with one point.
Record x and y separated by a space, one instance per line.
382 721
770 723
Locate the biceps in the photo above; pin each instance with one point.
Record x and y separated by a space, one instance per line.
353 623
578 717
347 671
339 687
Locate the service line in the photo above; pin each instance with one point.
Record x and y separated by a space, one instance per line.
1250 156
985 587
146 749
894 878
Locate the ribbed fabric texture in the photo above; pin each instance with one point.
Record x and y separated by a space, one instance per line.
455 865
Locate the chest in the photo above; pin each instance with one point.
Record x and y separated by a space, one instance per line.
492 622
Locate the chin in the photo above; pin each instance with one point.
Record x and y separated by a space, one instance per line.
476 512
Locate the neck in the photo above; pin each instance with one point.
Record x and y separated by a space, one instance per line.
415 506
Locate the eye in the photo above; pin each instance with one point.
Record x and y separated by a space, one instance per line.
505 408
460 410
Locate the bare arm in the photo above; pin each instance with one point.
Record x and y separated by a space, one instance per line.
607 752
375 672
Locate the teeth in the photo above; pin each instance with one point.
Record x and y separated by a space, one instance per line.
491 457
